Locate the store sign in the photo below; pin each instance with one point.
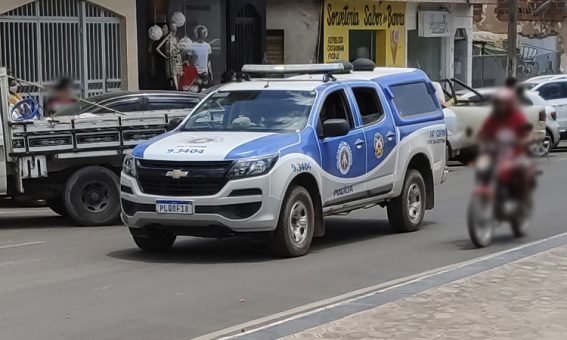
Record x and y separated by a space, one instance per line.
387 19
433 24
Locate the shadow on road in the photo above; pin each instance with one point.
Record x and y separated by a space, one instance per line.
340 233
466 244
36 222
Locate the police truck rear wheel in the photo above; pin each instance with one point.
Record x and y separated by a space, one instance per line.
153 240
296 224
92 197
406 211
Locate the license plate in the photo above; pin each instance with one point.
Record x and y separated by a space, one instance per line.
174 207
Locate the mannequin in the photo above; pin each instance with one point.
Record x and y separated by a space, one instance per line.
170 50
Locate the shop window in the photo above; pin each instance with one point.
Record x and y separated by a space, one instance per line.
362 44
275 46
368 104
336 107
413 99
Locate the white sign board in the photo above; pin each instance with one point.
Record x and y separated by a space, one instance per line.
433 24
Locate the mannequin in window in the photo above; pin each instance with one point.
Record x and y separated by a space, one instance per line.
200 56
170 50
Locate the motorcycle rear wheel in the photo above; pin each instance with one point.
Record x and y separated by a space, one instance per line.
522 224
480 222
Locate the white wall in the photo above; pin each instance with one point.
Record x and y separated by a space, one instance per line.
300 20
461 16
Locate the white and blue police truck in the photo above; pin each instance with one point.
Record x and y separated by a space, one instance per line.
277 155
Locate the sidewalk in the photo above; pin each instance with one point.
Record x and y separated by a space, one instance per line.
526 299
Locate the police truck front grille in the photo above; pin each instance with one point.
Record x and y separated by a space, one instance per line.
185 178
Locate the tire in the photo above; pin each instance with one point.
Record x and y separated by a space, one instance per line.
522 224
466 157
406 211
480 237
296 224
542 149
154 241
92 197
57 204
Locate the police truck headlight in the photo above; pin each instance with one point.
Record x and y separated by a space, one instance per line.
252 166
129 166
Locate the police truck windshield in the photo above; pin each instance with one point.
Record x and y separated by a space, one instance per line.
268 110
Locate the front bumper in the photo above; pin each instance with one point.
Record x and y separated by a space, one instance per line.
244 205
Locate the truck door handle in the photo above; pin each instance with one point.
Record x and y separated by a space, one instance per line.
390 136
359 143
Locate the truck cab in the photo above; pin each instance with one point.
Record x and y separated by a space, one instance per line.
277 155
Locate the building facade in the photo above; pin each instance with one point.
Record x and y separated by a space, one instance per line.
235 31
431 35
541 43
94 42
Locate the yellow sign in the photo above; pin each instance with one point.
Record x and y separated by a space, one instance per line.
365 28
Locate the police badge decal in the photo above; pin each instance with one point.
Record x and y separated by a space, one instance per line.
344 158
378 145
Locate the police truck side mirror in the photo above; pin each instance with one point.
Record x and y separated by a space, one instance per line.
173 123
335 127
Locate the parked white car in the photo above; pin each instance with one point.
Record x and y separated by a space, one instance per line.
531 98
553 89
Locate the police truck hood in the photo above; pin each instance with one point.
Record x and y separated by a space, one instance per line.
213 146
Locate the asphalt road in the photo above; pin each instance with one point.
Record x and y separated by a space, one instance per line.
59 281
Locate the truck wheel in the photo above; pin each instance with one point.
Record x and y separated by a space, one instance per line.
57 204
92 197
406 211
154 240
296 224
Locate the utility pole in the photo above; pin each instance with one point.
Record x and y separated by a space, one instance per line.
512 37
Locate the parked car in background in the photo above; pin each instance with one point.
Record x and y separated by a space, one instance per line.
553 89
132 101
454 140
472 112
530 98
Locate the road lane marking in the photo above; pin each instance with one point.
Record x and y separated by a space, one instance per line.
18 262
340 300
22 244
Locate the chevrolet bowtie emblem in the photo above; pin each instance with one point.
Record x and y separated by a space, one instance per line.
177 174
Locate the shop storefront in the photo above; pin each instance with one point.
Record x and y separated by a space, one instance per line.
188 45
439 39
365 29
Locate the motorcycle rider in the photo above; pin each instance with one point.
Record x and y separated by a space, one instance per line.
507 115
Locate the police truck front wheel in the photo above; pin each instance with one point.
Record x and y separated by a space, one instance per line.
406 211
92 197
296 224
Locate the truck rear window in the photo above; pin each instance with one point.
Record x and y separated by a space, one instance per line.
413 99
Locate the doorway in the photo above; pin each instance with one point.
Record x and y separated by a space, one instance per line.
362 44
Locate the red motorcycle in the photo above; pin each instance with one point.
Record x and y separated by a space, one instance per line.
497 196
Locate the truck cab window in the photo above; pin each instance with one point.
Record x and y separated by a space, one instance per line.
368 104
336 107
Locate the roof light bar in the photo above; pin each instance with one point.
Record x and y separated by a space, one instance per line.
297 68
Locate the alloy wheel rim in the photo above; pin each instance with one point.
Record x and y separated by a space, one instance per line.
299 223
95 197
414 203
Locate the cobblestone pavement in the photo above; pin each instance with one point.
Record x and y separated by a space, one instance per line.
526 299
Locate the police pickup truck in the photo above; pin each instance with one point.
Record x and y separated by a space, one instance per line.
277 155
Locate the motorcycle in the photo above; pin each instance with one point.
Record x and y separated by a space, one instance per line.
497 196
